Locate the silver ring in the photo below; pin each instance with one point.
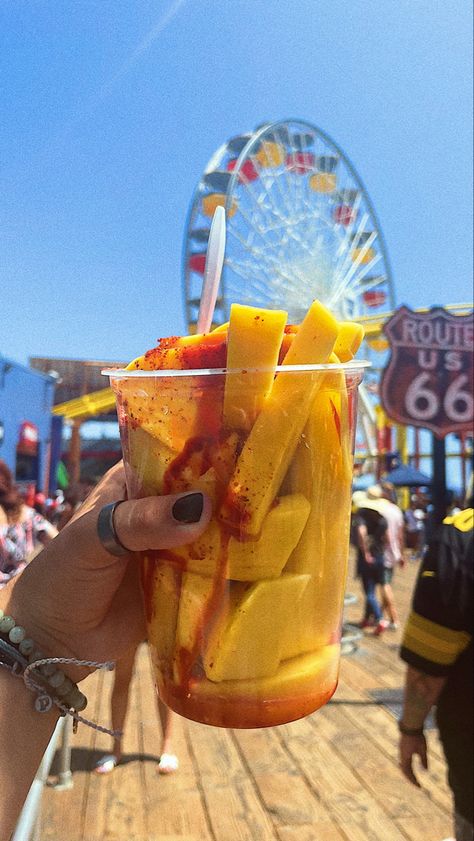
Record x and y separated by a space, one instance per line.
106 530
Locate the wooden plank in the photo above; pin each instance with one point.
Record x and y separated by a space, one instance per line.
375 716
215 754
59 806
236 813
391 790
419 829
262 750
125 808
176 812
174 806
234 808
97 791
307 833
341 791
290 801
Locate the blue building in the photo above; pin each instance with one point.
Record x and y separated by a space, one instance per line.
30 436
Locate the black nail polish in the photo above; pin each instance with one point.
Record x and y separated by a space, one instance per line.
188 509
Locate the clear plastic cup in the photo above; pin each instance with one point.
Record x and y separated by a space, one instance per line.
245 624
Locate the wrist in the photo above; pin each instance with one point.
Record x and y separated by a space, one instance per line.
410 731
16 604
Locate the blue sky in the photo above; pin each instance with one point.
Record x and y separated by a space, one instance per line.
112 108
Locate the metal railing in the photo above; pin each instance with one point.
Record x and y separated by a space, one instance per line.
28 827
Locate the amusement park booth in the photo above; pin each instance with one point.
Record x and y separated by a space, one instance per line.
30 437
81 395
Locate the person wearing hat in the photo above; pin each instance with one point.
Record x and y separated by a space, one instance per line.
370 538
393 552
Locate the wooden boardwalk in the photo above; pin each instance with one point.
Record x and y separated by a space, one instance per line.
330 777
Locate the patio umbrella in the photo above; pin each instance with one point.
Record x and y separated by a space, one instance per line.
407 476
364 481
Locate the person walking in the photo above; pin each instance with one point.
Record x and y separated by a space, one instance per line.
393 552
415 528
370 529
438 649
123 673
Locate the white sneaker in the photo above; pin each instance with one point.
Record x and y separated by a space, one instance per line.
394 626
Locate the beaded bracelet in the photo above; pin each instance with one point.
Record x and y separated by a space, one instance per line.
50 683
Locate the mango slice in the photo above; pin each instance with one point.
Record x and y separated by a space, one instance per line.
253 341
149 459
303 675
348 340
265 557
248 643
196 590
162 590
271 443
321 469
250 560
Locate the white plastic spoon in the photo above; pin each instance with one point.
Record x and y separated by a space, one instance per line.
213 270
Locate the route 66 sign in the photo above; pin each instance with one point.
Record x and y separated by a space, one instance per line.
428 380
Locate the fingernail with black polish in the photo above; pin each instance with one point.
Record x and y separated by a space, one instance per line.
188 509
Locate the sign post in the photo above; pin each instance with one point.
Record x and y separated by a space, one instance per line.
428 380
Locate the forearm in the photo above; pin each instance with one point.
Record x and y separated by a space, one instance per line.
421 693
362 542
24 735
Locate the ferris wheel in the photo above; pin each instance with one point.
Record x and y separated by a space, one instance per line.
300 225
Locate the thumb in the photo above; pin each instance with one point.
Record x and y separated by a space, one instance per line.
423 752
162 522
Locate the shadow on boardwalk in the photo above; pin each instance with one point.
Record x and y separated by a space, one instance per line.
330 777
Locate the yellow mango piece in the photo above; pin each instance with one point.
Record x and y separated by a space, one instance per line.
322 470
271 443
248 642
165 409
251 560
316 672
149 459
196 590
221 328
163 591
223 456
253 341
348 340
204 554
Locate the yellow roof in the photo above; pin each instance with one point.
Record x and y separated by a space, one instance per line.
96 403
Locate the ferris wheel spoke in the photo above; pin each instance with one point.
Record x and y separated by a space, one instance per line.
369 283
344 286
265 262
248 271
345 256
